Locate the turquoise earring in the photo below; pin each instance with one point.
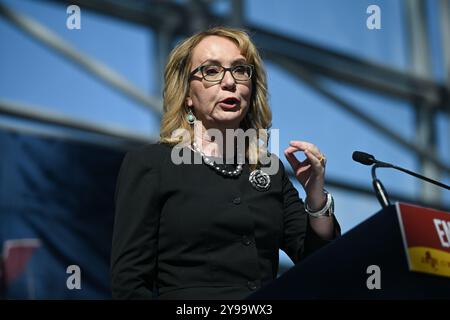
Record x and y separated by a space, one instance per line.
190 117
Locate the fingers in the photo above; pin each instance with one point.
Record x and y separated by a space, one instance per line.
292 159
315 161
307 147
303 145
289 153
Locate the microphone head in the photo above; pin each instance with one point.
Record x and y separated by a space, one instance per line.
364 158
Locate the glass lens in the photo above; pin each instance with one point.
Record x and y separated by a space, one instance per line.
242 72
212 73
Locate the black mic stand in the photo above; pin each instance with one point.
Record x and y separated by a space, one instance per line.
380 191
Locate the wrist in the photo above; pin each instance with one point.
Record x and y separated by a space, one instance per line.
315 202
326 211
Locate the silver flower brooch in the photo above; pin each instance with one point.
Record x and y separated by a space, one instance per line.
259 180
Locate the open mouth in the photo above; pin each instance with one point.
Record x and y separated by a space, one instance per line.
230 102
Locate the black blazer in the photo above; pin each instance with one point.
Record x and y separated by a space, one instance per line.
186 232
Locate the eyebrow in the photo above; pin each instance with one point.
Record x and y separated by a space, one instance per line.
214 61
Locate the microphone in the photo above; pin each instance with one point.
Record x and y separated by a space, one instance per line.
368 159
364 158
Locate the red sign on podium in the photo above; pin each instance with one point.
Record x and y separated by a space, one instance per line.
426 236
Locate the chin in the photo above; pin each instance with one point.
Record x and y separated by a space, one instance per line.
231 115
229 123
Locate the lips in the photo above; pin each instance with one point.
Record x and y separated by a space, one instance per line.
230 102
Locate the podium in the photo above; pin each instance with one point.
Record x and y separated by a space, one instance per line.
339 270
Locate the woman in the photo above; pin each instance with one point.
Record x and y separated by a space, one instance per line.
212 229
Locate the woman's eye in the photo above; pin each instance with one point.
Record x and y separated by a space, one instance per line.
240 69
211 70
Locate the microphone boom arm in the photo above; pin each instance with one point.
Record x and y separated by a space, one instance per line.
422 177
368 159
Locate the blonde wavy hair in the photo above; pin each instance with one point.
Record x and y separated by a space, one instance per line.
176 90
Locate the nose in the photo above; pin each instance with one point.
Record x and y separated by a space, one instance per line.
228 80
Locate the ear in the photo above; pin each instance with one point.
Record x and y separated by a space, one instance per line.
189 102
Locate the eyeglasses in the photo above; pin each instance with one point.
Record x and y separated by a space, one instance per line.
215 73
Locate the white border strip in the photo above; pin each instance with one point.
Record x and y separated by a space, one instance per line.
402 230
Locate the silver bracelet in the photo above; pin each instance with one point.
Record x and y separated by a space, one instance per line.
326 211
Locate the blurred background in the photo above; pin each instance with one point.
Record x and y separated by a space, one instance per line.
80 85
